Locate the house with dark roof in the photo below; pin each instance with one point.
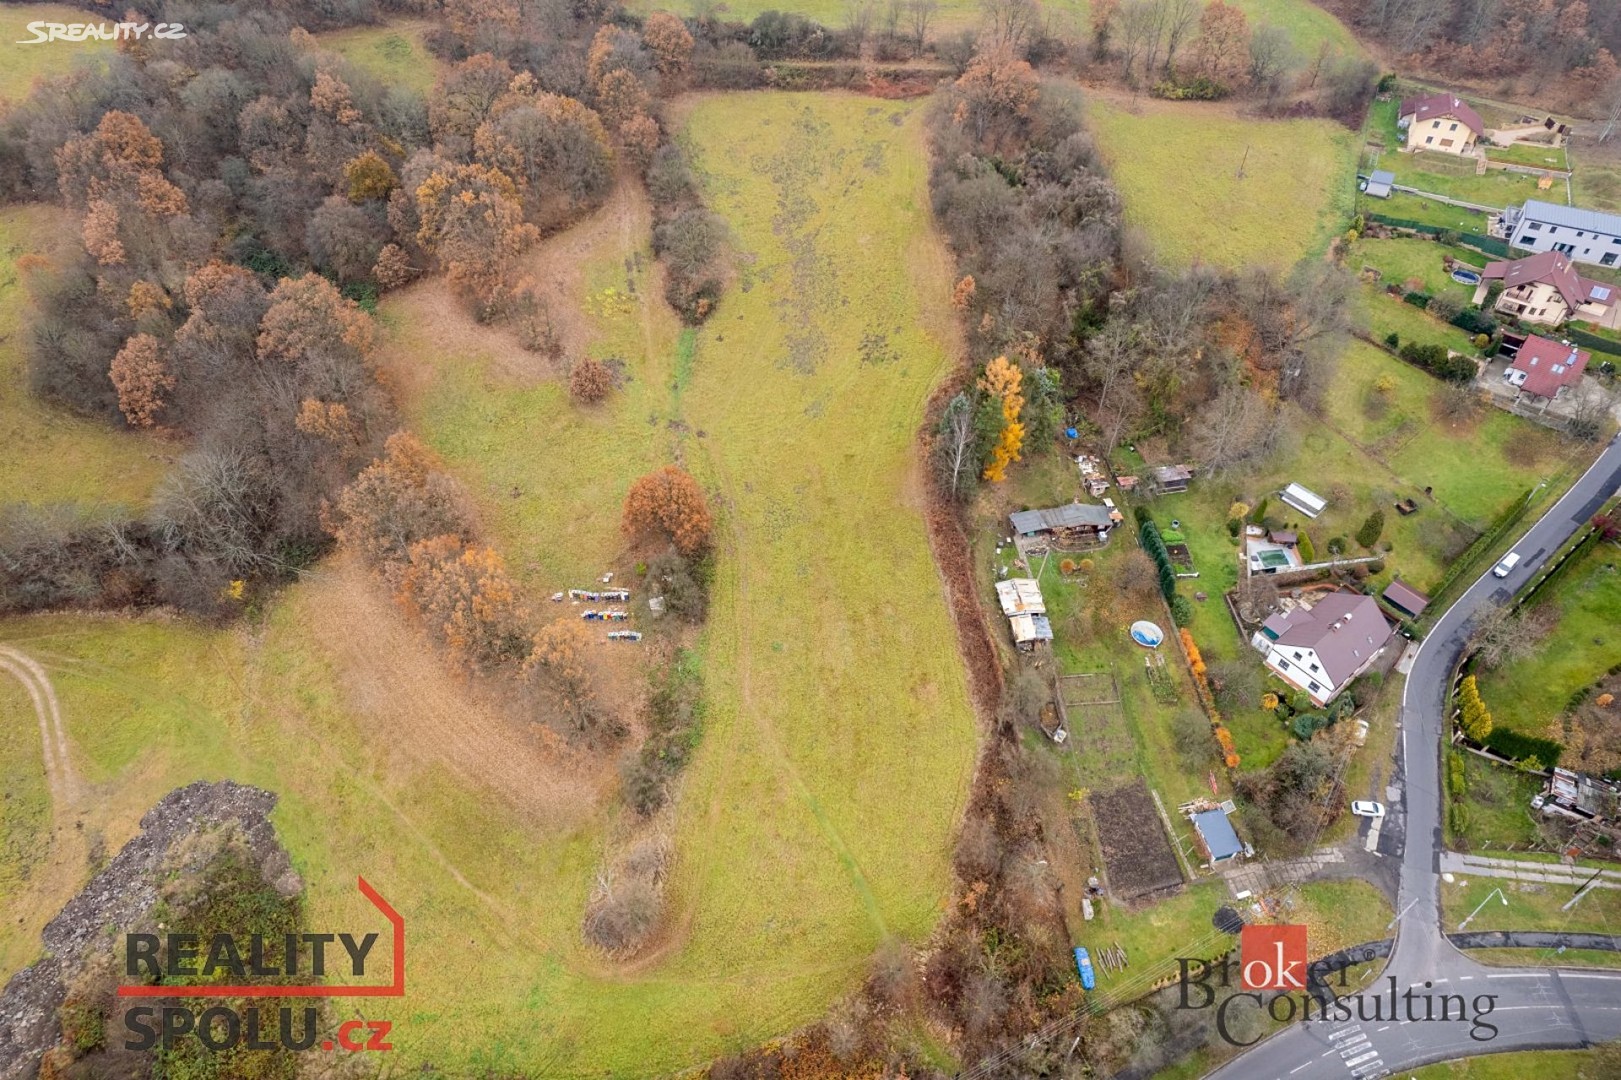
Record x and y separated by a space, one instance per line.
1321 649
1545 369
1546 290
1587 236
1441 122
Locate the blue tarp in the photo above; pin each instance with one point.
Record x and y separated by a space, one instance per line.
1218 835
1083 966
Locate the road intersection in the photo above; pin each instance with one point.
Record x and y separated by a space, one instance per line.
1533 1008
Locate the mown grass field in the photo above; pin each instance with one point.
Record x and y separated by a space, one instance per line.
1597 186
1403 260
1530 694
1411 208
1530 906
817 817
393 53
1380 314
22 64
1454 177
25 808
51 456
1178 167
839 741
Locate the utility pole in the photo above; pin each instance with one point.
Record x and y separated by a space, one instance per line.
1583 891
1244 162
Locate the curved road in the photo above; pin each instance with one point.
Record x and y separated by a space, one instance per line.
1536 1008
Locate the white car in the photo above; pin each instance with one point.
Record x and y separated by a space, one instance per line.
1367 809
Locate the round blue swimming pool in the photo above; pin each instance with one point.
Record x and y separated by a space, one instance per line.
1466 277
1147 634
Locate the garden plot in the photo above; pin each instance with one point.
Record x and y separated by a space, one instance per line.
1141 863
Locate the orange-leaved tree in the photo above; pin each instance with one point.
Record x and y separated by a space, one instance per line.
472 220
669 503
557 658
463 597
399 500
142 378
1001 381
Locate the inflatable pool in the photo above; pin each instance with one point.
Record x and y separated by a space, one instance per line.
1466 277
1147 634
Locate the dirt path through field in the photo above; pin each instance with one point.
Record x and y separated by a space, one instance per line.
59 774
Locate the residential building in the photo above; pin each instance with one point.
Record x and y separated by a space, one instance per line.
1545 369
1584 235
1440 122
1545 290
1321 649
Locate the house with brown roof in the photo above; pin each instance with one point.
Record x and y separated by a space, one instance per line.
1405 599
1441 122
1321 649
1545 369
1545 289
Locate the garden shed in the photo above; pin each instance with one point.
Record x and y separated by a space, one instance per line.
1030 630
1020 596
1217 835
1379 183
1172 479
1405 599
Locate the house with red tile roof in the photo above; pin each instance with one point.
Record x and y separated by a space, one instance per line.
1545 289
1546 369
1441 122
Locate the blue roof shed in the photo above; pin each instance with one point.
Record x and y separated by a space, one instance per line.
1218 835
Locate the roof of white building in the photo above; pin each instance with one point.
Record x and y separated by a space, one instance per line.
1572 216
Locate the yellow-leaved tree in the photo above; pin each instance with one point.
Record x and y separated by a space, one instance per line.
1002 381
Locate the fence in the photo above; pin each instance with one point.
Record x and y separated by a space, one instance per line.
1587 340
1486 245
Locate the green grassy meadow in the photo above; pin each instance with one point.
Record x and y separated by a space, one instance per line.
1597 187
52 456
817 817
1177 166
839 742
25 63
1454 177
1530 906
1528 695
1400 260
1541 157
25 806
392 53
1404 207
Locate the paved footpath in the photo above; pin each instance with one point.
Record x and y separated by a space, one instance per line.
1519 870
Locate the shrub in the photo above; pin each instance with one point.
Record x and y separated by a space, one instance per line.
1181 610
1087 565
1066 566
1233 526
590 381
1259 513
1307 551
1474 321
1337 545
1483 341
669 502
1372 527
1393 339
1417 299
1445 307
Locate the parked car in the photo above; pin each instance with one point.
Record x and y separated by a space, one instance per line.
1364 808
1506 567
1083 964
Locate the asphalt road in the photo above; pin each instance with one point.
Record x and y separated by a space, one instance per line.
1533 1008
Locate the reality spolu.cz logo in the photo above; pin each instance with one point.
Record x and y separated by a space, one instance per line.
100 31
1274 960
242 959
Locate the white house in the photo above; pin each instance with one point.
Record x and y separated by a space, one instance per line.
1584 235
1322 648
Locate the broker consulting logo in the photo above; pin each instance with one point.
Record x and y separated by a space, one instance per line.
236 965
1274 973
